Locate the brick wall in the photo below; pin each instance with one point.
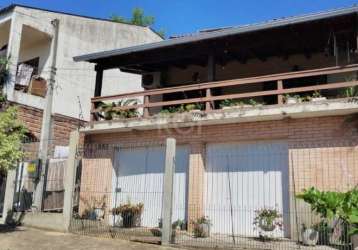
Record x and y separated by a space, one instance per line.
62 125
32 119
294 131
322 151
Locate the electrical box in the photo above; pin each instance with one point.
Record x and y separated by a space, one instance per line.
34 169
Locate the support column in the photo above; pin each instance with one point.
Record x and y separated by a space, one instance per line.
279 87
99 81
211 77
196 182
97 91
13 53
69 181
168 191
9 193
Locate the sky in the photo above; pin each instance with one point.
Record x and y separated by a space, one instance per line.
186 16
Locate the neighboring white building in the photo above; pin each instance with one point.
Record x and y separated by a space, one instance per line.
26 36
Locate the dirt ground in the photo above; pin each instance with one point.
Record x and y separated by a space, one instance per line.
23 238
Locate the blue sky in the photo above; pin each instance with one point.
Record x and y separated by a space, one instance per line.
185 16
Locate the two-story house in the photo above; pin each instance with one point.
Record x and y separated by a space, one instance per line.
27 39
259 113
39 46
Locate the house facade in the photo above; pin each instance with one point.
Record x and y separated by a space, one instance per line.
259 112
27 39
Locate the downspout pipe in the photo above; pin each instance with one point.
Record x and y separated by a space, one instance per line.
46 128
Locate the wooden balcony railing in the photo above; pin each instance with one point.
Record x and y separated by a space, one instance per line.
208 99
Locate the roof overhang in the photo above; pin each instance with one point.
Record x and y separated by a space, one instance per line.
206 36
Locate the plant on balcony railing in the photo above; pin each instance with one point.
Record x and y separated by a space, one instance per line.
193 107
108 111
296 98
349 92
230 103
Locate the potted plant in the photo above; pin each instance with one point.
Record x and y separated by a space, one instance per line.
167 111
349 92
130 213
179 225
95 208
201 227
228 104
110 111
268 219
341 207
310 235
316 97
324 232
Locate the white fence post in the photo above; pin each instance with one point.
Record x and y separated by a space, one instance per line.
168 191
69 181
9 194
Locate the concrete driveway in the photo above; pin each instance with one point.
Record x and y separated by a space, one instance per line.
27 238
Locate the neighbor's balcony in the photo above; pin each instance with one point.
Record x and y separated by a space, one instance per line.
271 91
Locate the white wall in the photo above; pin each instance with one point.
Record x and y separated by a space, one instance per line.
78 79
77 36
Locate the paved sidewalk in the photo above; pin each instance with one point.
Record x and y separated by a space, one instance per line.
32 239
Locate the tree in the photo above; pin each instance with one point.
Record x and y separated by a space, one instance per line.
138 18
12 133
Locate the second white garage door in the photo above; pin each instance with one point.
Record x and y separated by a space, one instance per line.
241 178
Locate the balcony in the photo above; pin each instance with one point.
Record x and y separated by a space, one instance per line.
293 95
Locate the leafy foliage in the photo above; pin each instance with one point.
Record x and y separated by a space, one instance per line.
232 103
334 205
12 132
130 213
199 226
182 108
128 208
109 111
350 91
138 18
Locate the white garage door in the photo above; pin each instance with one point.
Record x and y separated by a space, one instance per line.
139 178
241 178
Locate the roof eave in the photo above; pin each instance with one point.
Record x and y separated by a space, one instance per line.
93 57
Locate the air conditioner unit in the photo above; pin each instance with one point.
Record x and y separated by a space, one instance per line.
151 80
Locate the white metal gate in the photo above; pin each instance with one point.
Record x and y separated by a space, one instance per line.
241 178
139 178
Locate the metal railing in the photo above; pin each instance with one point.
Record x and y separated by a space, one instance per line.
240 181
208 98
